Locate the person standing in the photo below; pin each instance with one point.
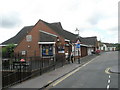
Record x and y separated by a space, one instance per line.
67 56
72 57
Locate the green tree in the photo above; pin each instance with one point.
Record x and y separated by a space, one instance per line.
118 47
4 51
8 51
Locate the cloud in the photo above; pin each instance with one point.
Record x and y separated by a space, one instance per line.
114 28
89 16
91 32
10 20
108 23
95 18
110 39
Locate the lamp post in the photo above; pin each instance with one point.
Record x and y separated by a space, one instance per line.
78 45
77 30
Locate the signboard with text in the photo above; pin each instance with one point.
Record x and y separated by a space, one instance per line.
78 44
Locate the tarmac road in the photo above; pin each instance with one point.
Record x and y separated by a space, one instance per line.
94 74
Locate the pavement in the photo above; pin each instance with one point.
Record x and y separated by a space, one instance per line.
45 79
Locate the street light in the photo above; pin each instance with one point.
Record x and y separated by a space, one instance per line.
77 30
78 45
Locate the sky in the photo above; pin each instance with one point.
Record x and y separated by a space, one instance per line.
92 17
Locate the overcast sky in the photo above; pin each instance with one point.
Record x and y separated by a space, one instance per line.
92 17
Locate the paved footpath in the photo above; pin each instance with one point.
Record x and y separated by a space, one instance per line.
46 78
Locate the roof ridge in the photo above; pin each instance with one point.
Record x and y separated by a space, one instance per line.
91 37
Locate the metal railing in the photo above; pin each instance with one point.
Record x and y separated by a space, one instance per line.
15 71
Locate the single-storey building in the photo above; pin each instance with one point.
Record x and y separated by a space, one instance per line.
47 39
108 47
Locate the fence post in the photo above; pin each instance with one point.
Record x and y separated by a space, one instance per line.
62 61
54 60
40 65
20 73
35 53
30 70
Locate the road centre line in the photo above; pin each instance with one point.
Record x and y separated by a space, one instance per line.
108 86
69 74
109 81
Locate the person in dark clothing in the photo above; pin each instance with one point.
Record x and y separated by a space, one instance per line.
71 57
67 56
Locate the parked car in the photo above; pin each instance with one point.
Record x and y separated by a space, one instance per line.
98 51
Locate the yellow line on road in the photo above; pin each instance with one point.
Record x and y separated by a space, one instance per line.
69 74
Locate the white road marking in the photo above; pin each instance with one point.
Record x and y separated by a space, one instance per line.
109 81
60 80
108 86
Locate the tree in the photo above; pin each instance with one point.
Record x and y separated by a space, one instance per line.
118 47
8 51
4 51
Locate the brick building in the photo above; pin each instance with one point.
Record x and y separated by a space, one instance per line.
47 39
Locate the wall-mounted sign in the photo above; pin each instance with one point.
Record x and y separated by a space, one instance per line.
29 38
77 45
61 49
47 50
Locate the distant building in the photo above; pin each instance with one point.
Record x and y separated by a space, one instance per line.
108 47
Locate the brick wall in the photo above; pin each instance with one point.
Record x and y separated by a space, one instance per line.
33 47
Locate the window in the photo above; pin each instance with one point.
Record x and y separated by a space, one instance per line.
47 50
23 52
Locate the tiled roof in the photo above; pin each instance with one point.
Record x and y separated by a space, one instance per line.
47 37
19 36
57 27
90 40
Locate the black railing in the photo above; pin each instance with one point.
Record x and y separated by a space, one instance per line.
15 71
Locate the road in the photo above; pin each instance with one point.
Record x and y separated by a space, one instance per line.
93 74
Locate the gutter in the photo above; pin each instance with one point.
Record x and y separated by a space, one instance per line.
7 45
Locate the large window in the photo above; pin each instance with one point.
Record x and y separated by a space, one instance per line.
47 50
